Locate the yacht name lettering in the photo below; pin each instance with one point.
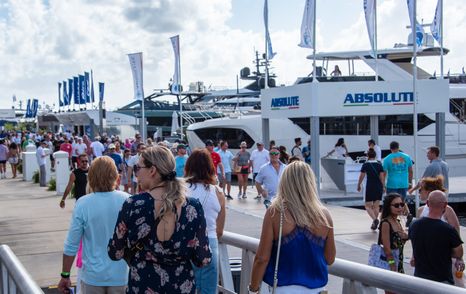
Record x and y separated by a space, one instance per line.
393 97
290 102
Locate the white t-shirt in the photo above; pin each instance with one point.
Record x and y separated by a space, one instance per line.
98 148
40 152
80 149
259 158
133 160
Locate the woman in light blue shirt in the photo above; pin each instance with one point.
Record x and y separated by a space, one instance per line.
93 221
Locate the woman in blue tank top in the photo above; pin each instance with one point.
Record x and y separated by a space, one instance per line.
307 245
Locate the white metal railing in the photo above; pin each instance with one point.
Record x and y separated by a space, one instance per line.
358 278
14 277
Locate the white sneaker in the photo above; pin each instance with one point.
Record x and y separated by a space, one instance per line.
239 195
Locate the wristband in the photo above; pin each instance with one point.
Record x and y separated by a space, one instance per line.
65 275
391 261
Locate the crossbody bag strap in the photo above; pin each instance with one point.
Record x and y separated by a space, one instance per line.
280 230
376 174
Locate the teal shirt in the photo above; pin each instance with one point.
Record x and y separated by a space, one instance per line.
180 162
397 165
94 218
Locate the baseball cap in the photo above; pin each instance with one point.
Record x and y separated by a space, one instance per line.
111 146
181 146
209 143
259 143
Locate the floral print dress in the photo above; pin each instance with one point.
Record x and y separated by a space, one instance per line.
161 266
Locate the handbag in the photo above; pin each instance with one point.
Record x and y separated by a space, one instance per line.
377 257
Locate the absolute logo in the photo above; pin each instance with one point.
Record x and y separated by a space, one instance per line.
280 103
366 99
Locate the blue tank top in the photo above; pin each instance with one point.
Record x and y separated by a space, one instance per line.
301 262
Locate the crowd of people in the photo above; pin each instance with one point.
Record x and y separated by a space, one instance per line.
166 222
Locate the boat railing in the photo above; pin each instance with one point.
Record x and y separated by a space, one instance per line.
14 278
357 278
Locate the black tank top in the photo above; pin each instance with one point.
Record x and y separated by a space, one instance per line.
80 182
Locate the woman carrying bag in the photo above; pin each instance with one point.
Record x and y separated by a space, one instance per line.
297 241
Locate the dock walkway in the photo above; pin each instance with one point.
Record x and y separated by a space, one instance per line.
34 226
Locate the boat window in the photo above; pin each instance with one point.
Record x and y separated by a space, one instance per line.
401 125
233 136
346 125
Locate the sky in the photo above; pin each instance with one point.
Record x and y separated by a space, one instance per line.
43 42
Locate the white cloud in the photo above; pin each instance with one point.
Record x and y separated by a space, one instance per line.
43 44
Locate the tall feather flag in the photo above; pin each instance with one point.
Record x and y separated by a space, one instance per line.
369 12
28 109
34 107
308 25
66 98
82 94
77 98
413 21
176 83
135 62
270 53
70 91
101 91
86 87
60 102
435 26
92 87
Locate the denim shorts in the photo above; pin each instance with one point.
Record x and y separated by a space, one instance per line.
227 177
207 277
401 191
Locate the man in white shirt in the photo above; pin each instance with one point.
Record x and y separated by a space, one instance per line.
131 165
269 176
296 150
79 148
259 157
378 151
41 160
97 148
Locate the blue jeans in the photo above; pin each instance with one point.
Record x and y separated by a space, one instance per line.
207 277
401 191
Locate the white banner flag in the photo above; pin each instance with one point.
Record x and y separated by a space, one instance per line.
176 84
413 21
369 12
436 23
308 25
135 61
270 53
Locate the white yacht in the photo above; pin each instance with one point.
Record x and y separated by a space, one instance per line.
392 65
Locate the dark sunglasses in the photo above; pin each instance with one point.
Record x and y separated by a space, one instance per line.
274 153
137 168
84 161
398 205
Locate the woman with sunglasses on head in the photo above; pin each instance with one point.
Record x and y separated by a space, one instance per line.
392 236
242 161
165 230
307 244
426 186
200 176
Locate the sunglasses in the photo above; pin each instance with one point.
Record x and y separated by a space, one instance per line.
84 161
138 168
398 205
274 153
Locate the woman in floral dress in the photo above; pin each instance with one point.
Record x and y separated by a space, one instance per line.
170 226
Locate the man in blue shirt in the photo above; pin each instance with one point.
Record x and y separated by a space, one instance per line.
180 160
269 176
398 168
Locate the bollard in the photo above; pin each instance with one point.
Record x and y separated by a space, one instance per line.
62 171
29 163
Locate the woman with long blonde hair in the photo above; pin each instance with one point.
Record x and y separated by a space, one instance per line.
307 238
164 229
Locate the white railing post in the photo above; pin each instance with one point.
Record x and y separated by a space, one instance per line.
246 269
224 267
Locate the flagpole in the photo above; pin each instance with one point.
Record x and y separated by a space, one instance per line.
266 79
314 78
375 42
415 120
179 96
441 39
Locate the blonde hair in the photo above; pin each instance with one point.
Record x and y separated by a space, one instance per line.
103 175
163 160
297 192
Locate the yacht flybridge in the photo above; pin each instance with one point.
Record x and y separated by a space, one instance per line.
349 104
